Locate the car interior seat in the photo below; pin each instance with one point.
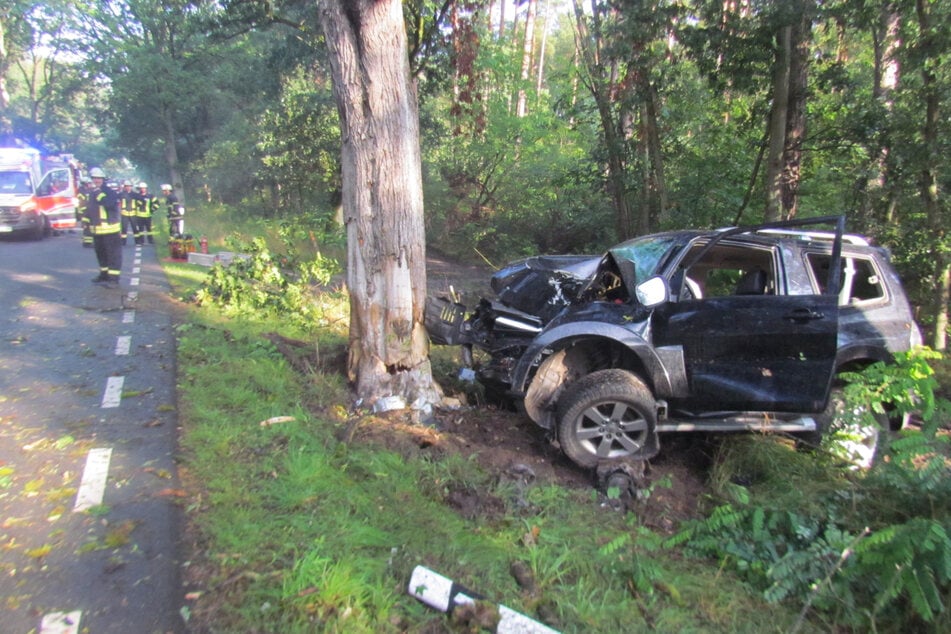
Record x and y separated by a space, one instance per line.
753 282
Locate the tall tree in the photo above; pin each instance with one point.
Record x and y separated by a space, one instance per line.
600 74
932 47
15 37
382 198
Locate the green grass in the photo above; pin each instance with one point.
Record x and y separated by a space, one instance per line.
294 529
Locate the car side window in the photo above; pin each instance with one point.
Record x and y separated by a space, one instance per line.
729 270
861 281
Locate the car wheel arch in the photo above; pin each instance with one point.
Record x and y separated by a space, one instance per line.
570 360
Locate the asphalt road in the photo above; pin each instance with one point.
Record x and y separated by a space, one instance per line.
89 496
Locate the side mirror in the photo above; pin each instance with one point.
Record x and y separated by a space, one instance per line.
653 292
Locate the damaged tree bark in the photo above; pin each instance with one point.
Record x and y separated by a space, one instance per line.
382 199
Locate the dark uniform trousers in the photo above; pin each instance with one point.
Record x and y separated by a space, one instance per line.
127 205
147 205
102 211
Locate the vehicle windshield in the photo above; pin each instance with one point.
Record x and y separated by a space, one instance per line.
15 183
649 254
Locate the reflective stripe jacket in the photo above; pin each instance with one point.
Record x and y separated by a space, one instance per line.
102 211
129 202
148 204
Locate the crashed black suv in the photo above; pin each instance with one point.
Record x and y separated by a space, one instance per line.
735 329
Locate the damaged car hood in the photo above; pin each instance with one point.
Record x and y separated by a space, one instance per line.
544 285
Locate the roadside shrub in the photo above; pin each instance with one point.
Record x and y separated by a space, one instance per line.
874 553
260 282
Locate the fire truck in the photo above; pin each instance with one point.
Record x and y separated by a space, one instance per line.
37 193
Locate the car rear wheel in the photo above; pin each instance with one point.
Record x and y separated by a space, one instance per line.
608 415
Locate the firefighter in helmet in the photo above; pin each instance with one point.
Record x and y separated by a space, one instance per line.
148 204
175 212
127 205
105 224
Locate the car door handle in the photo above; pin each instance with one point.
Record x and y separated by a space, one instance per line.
804 314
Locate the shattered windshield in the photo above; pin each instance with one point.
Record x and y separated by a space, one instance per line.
649 254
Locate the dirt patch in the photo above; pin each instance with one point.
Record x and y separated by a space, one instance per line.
510 446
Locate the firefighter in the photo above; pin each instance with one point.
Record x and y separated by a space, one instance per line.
148 205
127 205
85 186
105 223
175 212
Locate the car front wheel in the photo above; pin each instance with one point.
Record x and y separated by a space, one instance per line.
605 416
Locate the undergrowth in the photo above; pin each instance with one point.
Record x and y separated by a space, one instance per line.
866 550
298 527
295 526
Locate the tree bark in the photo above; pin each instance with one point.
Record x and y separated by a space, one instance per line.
777 126
795 114
382 199
929 179
171 154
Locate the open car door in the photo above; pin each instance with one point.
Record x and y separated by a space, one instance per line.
56 198
746 343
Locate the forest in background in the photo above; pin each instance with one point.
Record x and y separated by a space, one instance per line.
547 125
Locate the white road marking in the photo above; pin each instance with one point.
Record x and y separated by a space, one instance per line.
136 270
128 317
61 622
123 345
135 281
92 487
113 394
133 295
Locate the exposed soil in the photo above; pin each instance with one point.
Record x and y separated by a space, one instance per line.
510 445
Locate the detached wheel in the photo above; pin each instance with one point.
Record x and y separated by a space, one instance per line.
605 416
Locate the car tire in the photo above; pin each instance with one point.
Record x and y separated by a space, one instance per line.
607 416
39 232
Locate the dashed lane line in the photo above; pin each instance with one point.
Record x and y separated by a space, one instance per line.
128 317
123 345
61 622
92 487
112 396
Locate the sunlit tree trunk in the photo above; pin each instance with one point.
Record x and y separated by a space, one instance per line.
540 73
929 179
528 51
171 154
382 199
878 191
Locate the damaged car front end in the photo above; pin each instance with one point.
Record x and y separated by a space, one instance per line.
725 330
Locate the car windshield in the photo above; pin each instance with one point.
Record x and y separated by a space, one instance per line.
649 254
15 183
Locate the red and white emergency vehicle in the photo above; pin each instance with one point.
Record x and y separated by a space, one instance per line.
37 193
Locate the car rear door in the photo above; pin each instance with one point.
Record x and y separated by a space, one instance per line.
753 347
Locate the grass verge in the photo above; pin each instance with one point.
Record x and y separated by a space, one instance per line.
296 524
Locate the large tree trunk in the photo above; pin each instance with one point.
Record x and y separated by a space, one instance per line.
777 126
796 114
382 199
171 154
929 180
